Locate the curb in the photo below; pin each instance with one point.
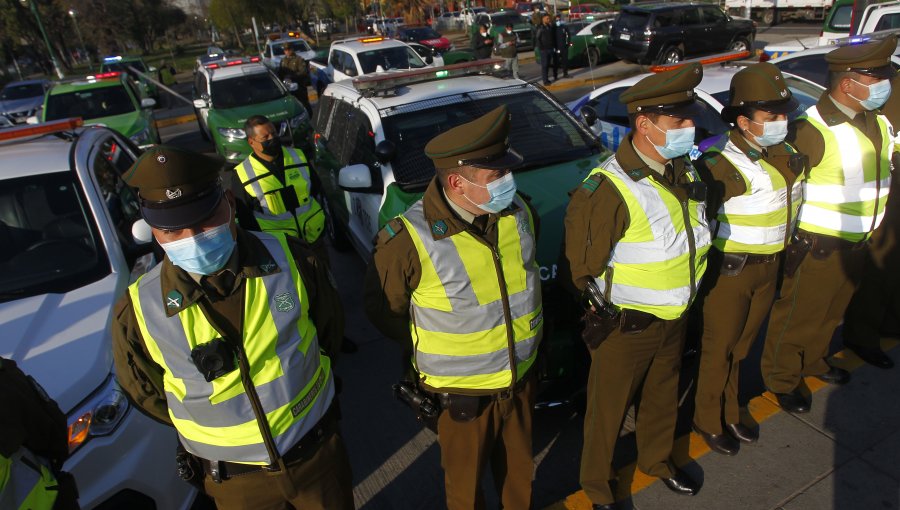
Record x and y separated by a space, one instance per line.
760 409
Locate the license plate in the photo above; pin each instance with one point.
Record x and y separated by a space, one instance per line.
625 37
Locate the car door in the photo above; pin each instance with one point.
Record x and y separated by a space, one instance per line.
329 141
612 118
694 31
364 204
717 35
201 91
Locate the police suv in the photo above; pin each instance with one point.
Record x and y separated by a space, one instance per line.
67 255
369 141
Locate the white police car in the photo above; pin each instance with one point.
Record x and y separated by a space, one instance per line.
609 118
66 255
274 50
811 65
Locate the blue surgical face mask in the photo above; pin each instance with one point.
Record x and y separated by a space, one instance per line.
204 253
678 142
879 92
502 192
774 132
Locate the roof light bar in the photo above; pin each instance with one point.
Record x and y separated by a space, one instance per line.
705 61
234 62
105 76
370 85
864 38
370 39
115 58
55 126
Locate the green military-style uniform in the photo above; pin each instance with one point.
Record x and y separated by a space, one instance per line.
878 298
844 197
755 195
616 224
463 293
237 360
296 68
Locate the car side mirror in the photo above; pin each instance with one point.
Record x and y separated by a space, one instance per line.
355 177
141 232
291 86
384 151
148 102
429 59
200 103
350 72
588 115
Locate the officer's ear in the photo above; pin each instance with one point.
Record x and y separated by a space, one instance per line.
453 180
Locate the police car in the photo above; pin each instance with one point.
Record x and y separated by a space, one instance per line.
67 255
227 92
136 68
370 134
607 117
274 50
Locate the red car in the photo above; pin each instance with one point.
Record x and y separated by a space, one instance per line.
424 35
585 11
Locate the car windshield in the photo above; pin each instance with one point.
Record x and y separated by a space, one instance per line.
398 57
633 21
574 28
21 91
245 90
840 20
90 104
421 34
50 243
299 46
123 66
542 132
507 18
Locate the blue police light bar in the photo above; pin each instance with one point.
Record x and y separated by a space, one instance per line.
864 38
116 58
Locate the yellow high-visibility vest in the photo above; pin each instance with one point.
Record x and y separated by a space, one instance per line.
26 483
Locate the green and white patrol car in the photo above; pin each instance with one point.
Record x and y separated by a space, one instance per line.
227 92
107 99
125 64
370 135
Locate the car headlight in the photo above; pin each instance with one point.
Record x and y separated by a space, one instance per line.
232 134
99 415
299 119
141 137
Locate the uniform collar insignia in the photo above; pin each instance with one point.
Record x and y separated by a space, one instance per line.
174 299
439 227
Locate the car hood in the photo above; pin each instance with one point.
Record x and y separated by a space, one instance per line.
62 340
276 110
20 105
127 123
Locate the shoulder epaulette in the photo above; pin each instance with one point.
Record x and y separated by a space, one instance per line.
590 185
390 230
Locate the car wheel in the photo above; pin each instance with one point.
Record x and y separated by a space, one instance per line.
671 55
593 55
740 44
768 17
336 234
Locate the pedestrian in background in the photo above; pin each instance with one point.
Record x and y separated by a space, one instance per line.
482 43
471 323
507 42
295 68
562 41
545 41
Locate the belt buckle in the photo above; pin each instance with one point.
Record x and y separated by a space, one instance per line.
215 470
504 395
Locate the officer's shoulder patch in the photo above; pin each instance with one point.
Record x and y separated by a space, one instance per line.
390 230
590 185
789 148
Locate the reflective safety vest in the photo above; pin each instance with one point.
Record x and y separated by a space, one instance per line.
762 220
477 309
166 76
845 193
26 483
657 265
279 211
290 374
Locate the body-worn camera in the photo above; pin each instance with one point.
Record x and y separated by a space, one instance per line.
214 359
593 297
420 402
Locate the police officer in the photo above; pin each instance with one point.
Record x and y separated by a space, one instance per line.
849 145
454 278
295 68
507 42
482 43
545 42
754 181
639 285
279 186
878 297
562 41
33 446
230 340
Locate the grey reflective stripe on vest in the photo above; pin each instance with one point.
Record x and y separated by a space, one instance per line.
260 196
298 368
468 315
23 478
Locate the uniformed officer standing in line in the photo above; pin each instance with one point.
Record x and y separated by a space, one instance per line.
754 182
230 339
295 68
636 243
33 446
455 279
849 145
878 296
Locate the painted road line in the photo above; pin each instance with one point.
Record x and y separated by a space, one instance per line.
691 447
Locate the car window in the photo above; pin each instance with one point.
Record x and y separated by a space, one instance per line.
633 21
323 114
600 29
422 33
109 164
336 137
805 93
541 131
888 21
13 91
709 122
90 104
398 57
49 238
690 16
712 15
841 18
200 85
667 19
245 90
361 140
812 67
609 108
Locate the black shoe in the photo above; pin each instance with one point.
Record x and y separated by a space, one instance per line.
873 356
610 506
720 443
742 432
793 402
681 483
835 375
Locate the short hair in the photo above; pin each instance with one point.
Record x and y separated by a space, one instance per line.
253 121
835 78
632 117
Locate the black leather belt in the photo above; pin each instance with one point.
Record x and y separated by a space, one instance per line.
221 470
762 259
824 245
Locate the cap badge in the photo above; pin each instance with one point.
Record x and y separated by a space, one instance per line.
439 227
697 70
777 78
172 194
784 93
284 302
173 299
160 158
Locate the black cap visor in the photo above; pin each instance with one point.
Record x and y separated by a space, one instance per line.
884 72
508 160
787 106
685 110
179 214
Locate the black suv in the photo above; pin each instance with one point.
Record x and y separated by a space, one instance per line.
666 33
